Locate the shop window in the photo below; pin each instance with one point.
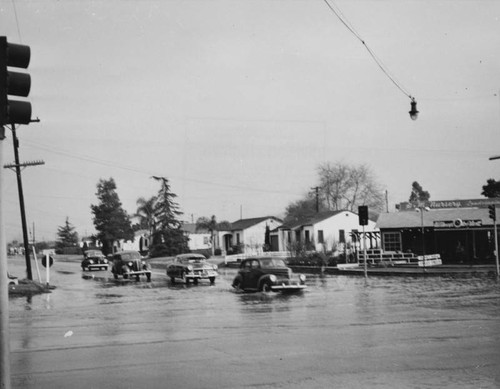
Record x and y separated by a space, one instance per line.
392 241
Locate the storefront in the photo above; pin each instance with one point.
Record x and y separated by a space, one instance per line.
459 234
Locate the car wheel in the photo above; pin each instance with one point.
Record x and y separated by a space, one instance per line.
148 277
172 280
137 278
237 284
115 276
195 281
265 287
212 280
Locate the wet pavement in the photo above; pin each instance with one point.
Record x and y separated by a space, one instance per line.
342 332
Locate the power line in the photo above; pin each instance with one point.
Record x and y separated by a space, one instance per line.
377 60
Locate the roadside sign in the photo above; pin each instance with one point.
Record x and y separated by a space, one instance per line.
50 261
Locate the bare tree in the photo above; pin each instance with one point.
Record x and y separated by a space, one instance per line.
347 186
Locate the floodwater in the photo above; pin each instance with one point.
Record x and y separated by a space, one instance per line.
342 332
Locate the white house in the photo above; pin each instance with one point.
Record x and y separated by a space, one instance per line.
140 243
248 234
198 240
325 232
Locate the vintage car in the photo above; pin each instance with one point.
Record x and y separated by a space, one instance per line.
191 267
130 263
13 280
94 260
266 274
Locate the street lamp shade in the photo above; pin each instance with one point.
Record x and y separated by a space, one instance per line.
413 111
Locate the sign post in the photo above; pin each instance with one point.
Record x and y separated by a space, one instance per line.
47 262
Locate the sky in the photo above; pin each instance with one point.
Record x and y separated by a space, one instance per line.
237 102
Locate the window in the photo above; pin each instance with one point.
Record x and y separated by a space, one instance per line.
237 238
391 241
321 238
205 240
341 236
308 240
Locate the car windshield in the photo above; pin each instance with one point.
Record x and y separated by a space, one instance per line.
93 253
272 262
192 260
129 256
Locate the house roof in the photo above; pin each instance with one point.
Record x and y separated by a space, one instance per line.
243 224
190 228
409 219
308 221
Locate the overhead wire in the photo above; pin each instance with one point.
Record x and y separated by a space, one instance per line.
377 60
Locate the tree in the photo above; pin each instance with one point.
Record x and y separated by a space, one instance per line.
146 214
211 225
168 237
348 186
491 189
418 195
300 209
67 236
110 220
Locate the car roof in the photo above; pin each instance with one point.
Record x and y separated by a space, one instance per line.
190 256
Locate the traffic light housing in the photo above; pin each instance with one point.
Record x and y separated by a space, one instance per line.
14 83
363 215
492 212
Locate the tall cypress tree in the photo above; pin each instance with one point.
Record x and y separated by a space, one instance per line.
110 220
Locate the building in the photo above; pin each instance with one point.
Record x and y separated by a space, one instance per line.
199 240
460 231
247 236
330 231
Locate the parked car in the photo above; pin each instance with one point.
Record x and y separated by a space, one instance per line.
191 267
13 280
130 263
267 274
94 260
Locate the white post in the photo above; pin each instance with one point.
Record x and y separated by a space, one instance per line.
36 263
47 267
364 252
496 245
4 286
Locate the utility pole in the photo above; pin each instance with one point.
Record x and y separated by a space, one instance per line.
316 189
17 166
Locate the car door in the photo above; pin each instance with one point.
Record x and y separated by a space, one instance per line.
253 274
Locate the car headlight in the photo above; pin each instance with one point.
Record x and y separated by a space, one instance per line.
190 268
273 278
130 264
215 267
104 260
302 278
91 261
143 262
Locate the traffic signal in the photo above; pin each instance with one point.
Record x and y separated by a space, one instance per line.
492 211
14 83
363 215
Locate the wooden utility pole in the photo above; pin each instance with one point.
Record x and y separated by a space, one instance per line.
17 166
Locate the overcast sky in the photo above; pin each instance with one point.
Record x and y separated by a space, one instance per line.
237 102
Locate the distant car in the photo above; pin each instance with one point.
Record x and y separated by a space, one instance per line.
191 267
129 264
94 260
13 280
266 274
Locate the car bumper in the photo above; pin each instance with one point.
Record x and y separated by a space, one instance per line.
288 287
203 275
97 266
138 273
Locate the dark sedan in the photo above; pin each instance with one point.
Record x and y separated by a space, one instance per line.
94 260
267 274
130 264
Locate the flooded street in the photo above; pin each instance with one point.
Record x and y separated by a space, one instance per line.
342 332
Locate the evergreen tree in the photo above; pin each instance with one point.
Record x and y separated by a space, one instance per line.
168 237
491 189
418 195
67 236
110 220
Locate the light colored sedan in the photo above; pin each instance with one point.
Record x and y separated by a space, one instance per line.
191 267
